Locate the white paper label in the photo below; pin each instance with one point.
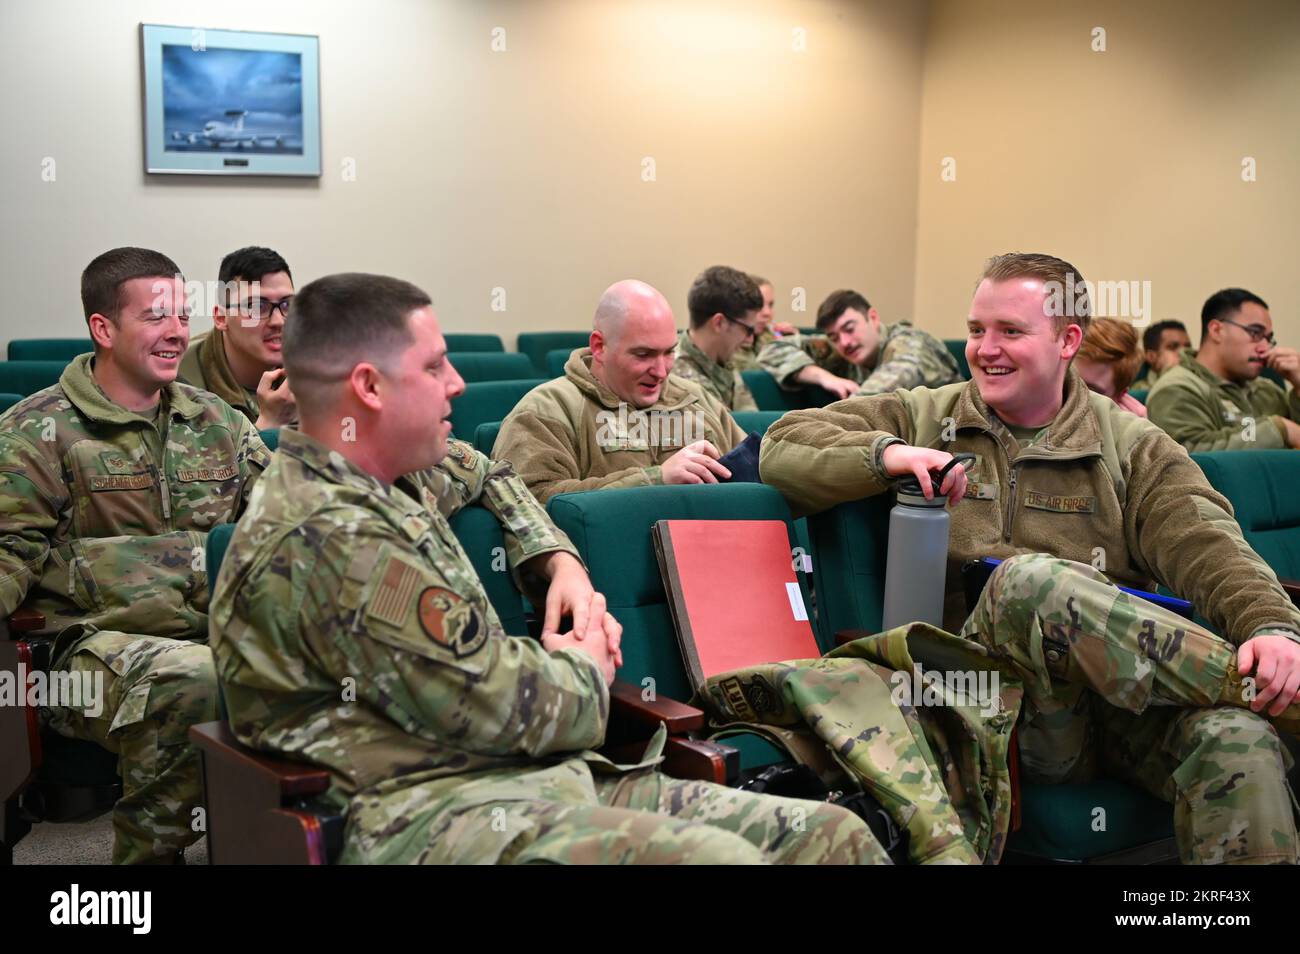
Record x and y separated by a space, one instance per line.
796 601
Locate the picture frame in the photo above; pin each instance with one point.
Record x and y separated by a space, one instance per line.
230 102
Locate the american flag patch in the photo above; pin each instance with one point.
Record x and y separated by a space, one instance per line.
392 600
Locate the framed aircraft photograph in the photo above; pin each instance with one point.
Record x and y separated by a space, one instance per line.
229 102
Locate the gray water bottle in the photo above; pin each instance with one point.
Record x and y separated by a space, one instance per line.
917 564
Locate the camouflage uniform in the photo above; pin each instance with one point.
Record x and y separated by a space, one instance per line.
906 357
573 433
205 366
463 744
1203 412
1098 484
722 381
105 514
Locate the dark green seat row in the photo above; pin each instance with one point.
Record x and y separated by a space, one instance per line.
459 344
538 344
486 401
48 349
476 366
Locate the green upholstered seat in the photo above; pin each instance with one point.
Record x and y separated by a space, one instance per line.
456 344
957 348
487 401
556 359
9 400
48 349
1139 395
611 529
493 366
485 435
537 344
1261 486
271 438
756 422
28 377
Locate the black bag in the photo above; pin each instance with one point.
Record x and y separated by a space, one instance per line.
799 781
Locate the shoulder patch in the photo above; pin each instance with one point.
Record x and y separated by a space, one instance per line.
392 598
451 621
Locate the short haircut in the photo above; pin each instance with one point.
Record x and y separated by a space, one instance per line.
1046 268
1113 342
1152 337
760 281
250 264
1224 304
341 320
724 290
836 304
103 278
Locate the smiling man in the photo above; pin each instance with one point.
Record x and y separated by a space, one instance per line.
857 354
1215 399
240 360
619 417
109 483
1075 495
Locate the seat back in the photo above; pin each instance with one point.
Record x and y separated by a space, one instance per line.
9 400
611 530
556 359
492 366
768 395
48 349
28 377
486 401
271 438
850 542
1261 486
957 348
458 344
537 344
485 436
756 422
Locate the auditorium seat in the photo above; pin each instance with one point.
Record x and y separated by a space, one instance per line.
756 422
537 344
9 400
850 543
556 359
1261 486
491 366
48 349
611 530
459 344
770 396
487 401
28 377
957 348
485 436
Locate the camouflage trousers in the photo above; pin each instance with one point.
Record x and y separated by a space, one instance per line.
154 689
568 814
1116 685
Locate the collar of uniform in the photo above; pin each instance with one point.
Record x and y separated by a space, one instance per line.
330 464
1074 430
672 395
83 390
1192 366
721 376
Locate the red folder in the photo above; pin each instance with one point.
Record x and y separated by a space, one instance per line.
735 599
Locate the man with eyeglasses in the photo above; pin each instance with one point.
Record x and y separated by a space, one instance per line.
240 359
1215 399
858 355
724 304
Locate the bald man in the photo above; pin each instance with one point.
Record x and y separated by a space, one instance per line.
619 417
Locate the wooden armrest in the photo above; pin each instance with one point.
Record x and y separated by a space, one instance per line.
849 635
701 759
625 701
289 779
23 621
1292 588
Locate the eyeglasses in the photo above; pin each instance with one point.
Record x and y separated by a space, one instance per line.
264 308
751 333
1257 334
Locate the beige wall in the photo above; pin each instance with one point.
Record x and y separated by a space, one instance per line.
478 169
1126 162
